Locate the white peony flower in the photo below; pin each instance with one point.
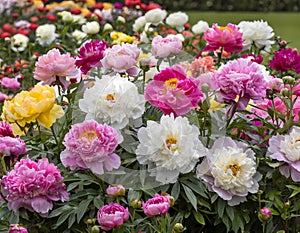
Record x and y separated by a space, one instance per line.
46 34
91 27
229 169
107 27
19 42
112 100
200 27
177 19
139 24
78 35
258 33
155 16
66 16
290 145
169 147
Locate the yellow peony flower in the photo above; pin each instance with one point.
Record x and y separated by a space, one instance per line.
120 37
107 5
37 104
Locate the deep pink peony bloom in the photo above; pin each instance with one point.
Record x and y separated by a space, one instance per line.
16 228
54 66
173 92
11 146
91 145
115 190
241 78
165 47
228 37
33 186
266 212
286 59
5 129
158 205
112 215
90 55
10 83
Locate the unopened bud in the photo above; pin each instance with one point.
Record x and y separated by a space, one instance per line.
107 27
145 63
121 19
287 204
288 80
178 227
95 229
136 204
265 214
285 91
205 88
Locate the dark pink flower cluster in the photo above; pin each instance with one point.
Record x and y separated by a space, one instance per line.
285 60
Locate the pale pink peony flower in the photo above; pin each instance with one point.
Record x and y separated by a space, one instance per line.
5 129
33 186
111 216
228 37
11 146
10 83
165 47
16 228
173 92
90 145
121 59
115 190
158 205
3 97
241 78
55 67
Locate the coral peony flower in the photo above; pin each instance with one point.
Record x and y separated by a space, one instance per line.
241 78
173 92
33 186
12 146
165 47
16 228
111 216
116 101
115 191
38 104
46 34
10 83
200 66
169 148
90 54
91 145
286 148
228 37
5 129
158 205
229 169
54 66
285 60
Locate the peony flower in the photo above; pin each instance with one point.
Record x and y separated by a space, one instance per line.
115 191
16 228
228 37
165 47
139 24
158 205
11 146
90 145
241 78
5 129
91 28
177 19
3 97
200 66
33 186
229 169
79 35
19 42
117 100
121 58
286 148
285 60
53 66
169 148
111 216
10 83
258 33
46 34
38 104
200 27
90 54
155 16
266 212
173 92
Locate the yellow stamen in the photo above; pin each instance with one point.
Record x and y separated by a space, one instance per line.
226 28
235 168
89 135
171 83
111 97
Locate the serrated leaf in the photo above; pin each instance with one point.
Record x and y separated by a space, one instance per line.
199 217
81 209
175 191
191 196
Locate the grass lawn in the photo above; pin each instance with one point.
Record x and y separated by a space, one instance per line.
285 25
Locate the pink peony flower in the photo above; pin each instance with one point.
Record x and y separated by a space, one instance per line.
33 186
16 228
53 67
11 146
241 78
200 66
285 60
228 37
165 47
173 92
112 215
3 97
121 59
90 54
158 205
5 129
91 145
10 83
115 190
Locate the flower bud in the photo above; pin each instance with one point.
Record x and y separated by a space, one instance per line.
178 227
115 191
285 91
107 27
145 63
265 214
136 204
121 19
288 80
95 229
205 88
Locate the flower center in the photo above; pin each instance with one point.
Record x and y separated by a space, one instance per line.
89 135
171 143
226 28
111 97
235 168
171 83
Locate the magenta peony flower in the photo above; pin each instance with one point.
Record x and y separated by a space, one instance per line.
165 47
158 205
241 78
285 60
16 228
33 186
115 190
90 54
112 215
228 37
54 66
91 145
11 146
5 129
10 83
173 92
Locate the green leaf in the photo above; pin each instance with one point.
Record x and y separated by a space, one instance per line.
199 217
175 190
221 207
81 209
133 195
98 202
230 212
59 211
62 218
71 220
237 223
191 196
